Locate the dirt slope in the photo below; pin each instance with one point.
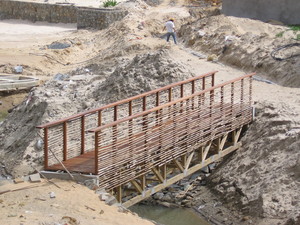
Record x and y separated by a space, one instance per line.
102 66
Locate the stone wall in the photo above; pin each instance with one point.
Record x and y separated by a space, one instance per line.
98 18
55 13
37 12
285 11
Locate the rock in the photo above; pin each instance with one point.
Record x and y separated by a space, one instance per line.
39 145
61 77
245 218
52 194
35 178
201 33
167 198
104 196
212 57
18 69
58 45
111 200
168 204
205 169
158 196
18 180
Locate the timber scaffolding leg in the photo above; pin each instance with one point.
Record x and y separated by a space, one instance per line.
160 177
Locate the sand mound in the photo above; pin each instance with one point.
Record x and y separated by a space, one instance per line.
73 204
144 73
246 44
263 176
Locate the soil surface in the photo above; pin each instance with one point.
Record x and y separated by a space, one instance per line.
259 183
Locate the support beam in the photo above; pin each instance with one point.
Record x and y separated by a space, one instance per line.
206 150
189 160
158 175
137 186
178 164
180 176
119 193
236 135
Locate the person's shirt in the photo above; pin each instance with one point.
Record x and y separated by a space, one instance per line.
170 26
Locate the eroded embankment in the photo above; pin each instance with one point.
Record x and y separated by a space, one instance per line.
247 44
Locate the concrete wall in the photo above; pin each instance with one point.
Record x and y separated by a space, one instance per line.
54 13
285 11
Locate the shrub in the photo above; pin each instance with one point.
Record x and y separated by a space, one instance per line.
109 3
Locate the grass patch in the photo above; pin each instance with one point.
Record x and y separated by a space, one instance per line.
295 28
280 34
3 115
109 3
297 37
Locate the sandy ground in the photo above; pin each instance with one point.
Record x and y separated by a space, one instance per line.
101 56
74 204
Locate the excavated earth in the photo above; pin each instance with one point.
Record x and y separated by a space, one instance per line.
258 184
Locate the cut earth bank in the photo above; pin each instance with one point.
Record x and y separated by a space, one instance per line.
260 182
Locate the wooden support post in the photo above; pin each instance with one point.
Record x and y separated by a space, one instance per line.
189 160
164 171
206 151
119 193
137 186
158 174
223 141
236 135
143 182
178 165
183 160
200 154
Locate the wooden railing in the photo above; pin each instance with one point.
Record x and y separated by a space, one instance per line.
68 137
132 146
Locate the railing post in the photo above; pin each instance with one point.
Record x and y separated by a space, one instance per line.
213 79
232 103
82 134
242 96
65 139
96 151
46 151
99 118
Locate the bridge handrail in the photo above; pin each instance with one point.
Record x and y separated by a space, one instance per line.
50 124
97 129
68 137
130 147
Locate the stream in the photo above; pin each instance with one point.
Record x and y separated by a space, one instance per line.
168 216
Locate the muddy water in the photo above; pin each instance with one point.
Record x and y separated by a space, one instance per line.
168 216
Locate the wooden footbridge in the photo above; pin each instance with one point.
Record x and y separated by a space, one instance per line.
142 144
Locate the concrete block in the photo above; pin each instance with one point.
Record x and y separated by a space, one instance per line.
35 178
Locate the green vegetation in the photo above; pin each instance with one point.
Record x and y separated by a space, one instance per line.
280 34
3 114
295 28
109 3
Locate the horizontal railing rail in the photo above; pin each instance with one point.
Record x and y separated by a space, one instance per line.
68 137
130 147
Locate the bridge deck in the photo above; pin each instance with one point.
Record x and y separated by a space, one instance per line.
84 163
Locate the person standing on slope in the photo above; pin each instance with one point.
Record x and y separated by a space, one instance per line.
170 26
